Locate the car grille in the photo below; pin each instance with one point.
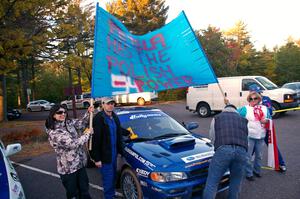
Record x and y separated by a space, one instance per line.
202 172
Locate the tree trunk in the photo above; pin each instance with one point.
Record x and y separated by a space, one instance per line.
4 97
79 76
24 80
19 88
33 78
72 92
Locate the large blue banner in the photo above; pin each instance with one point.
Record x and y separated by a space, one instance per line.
170 57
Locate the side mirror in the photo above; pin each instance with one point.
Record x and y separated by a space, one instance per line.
191 125
12 149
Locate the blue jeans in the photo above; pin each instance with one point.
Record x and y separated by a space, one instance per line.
256 146
108 172
226 157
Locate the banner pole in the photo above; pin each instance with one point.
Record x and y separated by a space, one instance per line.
91 125
225 99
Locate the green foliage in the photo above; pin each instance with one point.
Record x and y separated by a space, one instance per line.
243 52
172 94
214 45
74 33
287 61
140 17
24 29
263 64
51 82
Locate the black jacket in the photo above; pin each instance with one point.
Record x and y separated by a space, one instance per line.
101 143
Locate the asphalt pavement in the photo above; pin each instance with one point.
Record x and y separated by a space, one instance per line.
40 180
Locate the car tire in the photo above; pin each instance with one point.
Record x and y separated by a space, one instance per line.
203 110
141 101
275 107
130 185
42 108
29 109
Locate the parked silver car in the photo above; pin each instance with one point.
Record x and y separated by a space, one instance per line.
39 105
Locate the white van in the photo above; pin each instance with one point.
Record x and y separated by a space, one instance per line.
139 98
207 98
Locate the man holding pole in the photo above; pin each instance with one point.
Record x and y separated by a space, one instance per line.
106 144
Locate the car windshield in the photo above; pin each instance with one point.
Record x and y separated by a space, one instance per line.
151 125
266 83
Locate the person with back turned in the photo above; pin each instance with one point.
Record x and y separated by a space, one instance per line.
228 132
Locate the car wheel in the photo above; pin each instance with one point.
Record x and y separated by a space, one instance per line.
130 185
141 101
275 107
29 109
203 110
42 108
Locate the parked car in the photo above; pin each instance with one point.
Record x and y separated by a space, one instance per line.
136 98
13 114
162 158
39 105
10 185
81 101
294 86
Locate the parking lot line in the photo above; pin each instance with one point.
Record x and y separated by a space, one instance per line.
57 176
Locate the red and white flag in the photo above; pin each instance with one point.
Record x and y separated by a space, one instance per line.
272 147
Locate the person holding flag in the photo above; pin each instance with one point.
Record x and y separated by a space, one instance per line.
257 116
268 103
68 138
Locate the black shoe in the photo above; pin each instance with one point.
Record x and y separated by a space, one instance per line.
250 178
282 168
257 174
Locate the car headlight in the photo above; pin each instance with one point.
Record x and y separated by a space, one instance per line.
167 176
288 98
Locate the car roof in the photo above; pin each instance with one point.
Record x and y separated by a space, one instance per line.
134 110
292 83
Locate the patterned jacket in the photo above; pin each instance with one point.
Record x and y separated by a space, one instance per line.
68 142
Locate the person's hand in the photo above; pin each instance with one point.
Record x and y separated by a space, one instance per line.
91 109
264 121
226 101
98 164
88 131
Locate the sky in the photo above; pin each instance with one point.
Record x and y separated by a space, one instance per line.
269 22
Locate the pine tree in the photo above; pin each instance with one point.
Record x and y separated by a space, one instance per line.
238 40
139 16
215 47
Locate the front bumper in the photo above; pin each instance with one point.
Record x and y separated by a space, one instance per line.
179 190
289 105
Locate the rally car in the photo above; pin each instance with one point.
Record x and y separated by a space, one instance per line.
162 158
10 186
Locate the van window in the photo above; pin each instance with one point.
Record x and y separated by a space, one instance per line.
78 97
249 82
266 83
87 95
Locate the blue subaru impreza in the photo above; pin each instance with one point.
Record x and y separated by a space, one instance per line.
162 159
